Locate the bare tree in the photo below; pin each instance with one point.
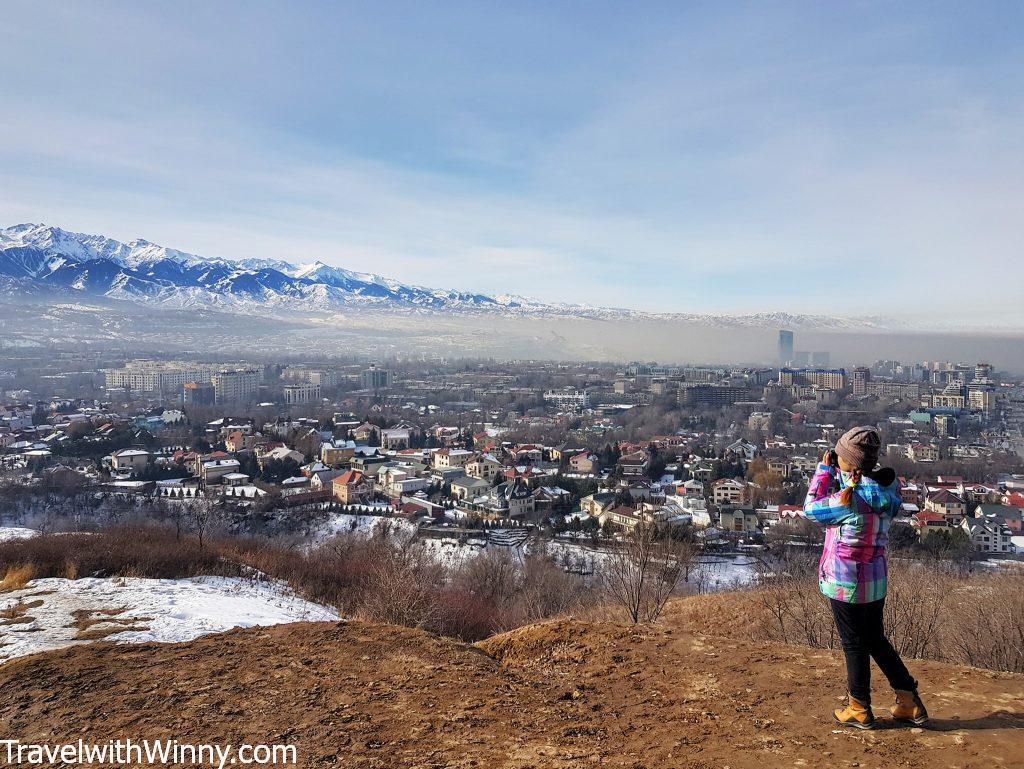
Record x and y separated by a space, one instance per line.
643 571
403 584
201 516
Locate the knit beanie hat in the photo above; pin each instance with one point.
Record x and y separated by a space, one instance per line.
860 446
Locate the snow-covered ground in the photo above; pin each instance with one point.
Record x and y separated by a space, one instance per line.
345 523
53 613
453 553
723 572
716 572
9 533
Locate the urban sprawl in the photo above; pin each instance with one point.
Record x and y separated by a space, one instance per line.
522 448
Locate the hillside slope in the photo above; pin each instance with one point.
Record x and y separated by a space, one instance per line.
559 694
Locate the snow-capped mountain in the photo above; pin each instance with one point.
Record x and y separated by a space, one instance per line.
41 257
36 259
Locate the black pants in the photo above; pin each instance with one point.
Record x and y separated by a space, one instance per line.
860 629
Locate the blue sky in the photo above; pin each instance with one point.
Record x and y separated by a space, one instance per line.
847 157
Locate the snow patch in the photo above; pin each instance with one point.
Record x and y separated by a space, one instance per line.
136 610
12 533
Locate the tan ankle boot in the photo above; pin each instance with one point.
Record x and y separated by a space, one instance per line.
856 714
909 709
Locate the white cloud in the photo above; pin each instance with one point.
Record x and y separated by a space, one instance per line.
717 161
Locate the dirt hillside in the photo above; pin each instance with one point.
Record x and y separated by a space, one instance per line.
559 694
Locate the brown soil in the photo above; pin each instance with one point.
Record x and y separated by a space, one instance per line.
559 694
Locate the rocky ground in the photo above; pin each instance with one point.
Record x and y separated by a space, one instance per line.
559 694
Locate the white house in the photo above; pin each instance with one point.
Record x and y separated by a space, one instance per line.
214 470
728 491
395 439
445 458
988 536
128 460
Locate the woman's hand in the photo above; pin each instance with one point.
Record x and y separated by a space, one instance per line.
826 458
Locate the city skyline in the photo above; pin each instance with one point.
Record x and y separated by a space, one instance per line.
679 159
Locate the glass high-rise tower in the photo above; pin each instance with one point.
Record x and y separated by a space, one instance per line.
785 347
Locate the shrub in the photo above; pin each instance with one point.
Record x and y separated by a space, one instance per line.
16 577
146 551
932 611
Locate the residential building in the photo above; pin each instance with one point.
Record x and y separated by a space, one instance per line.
634 465
483 466
741 450
212 471
982 399
568 399
923 452
583 463
860 379
468 487
399 480
829 378
351 487
337 451
988 536
728 491
738 519
322 377
927 521
625 517
279 454
550 499
395 439
695 507
907 391
236 386
512 499
375 378
129 460
446 458
595 504
697 394
157 377
198 394
1004 515
947 504
295 394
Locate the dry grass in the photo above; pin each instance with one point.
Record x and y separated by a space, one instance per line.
109 628
386 577
86 618
97 624
17 576
17 614
140 551
930 613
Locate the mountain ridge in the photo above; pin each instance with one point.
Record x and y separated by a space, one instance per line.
39 258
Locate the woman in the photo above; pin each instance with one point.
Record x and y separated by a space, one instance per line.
856 503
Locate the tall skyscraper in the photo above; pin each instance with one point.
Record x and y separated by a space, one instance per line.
785 347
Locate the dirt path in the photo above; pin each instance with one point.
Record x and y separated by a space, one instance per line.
561 694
